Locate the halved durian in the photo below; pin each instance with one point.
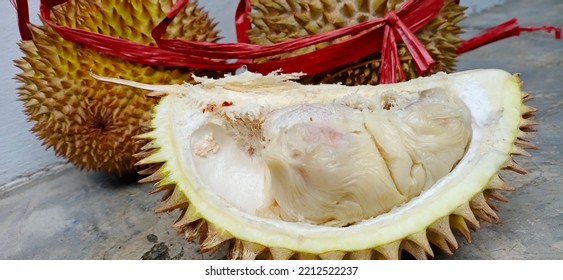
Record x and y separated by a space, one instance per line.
281 170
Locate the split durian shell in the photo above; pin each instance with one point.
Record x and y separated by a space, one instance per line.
278 21
85 121
214 181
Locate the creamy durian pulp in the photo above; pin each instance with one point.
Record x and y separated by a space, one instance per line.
333 168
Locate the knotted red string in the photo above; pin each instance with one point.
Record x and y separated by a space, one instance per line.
504 30
390 61
366 39
378 35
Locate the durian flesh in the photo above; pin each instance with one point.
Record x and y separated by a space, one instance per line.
267 164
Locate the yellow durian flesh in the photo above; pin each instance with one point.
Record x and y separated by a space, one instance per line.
208 141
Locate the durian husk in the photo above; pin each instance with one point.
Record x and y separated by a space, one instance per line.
88 122
278 21
441 234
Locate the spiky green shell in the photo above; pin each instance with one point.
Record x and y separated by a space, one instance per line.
88 122
501 126
278 21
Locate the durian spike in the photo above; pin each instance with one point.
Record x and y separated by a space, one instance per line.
494 194
189 216
513 166
334 255
305 256
440 234
176 200
390 251
160 188
528 125
416 251
482 209
154 177
150 170
458 223
215 239
196 231
465 211
525 144
525 135
281 253
421 240
528 110
518 151
360 255
244 250
497 183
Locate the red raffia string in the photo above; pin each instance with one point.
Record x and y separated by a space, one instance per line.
23 18
413 15
504 30
365 38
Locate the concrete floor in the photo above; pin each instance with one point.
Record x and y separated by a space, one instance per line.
88 215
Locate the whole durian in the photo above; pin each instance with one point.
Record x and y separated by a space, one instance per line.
275 169
88 122
278 21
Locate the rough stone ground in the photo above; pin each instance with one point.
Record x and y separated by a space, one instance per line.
87 215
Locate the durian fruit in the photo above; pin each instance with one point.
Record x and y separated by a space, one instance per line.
279 170
281 20
85 121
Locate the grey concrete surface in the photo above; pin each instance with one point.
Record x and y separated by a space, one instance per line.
87 215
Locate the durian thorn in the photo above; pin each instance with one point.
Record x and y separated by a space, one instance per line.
465 211
526 97
525 144
528 110
528 124
176 200
458 223
150 170
155 177
144 154
334 255
513 166
440 242
360 255
196 231
412 248
490 202
497 183
525 135
281 253
188 216
494 194
164 187
482 209
390 251
518 151
252 249
441 228
215 239
305 256
421 240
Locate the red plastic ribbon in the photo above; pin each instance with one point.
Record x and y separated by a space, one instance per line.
23 18
412 15
378 35
242 21
504 30
366 38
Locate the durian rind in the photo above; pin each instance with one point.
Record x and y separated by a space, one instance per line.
85 121
289 19
500 118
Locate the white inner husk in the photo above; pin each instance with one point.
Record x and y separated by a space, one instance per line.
225 182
